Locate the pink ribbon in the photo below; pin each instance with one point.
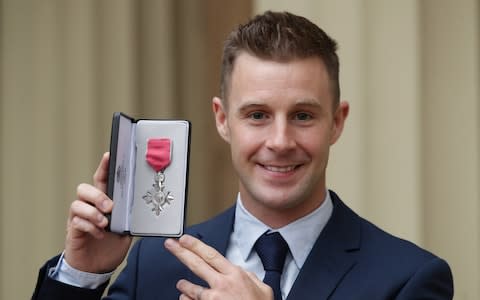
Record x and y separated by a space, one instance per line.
158 153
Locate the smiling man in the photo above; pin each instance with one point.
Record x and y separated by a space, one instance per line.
280 119
287 236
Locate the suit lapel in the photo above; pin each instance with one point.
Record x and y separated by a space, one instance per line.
332 256
216 232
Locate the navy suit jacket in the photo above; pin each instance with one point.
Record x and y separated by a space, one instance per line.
351 259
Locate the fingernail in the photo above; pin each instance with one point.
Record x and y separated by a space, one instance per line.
169 243
186 240
100 218
180 283
105 205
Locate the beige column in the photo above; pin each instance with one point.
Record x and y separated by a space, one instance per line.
392 117
451 138
156 54
77 117
115 45
201 31
29 139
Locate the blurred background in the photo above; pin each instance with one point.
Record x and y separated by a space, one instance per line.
408 160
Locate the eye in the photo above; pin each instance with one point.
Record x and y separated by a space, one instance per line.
303 116
257 115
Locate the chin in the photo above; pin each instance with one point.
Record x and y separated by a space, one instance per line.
280 201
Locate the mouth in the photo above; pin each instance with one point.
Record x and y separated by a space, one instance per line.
280 169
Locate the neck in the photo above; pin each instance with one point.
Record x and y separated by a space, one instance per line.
277 217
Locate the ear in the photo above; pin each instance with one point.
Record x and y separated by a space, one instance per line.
221 118
339 118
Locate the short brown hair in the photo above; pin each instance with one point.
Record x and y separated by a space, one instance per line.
280 36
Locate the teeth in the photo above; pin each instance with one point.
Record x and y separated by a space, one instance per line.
280 169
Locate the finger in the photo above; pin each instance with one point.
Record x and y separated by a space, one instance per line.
82 225
208 254
184 297
190 290
194 262
101 174
87 212
94 196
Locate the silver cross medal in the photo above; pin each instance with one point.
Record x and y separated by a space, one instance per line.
157 195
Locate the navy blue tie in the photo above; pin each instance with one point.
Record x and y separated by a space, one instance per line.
272 250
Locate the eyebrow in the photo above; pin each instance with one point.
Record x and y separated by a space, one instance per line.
250 105
308 102
257 104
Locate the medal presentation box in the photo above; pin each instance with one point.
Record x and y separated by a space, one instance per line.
148 176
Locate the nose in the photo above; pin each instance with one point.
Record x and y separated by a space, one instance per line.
280 136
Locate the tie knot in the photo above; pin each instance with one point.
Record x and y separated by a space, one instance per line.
272 250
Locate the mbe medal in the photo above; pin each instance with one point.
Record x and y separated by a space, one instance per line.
158 157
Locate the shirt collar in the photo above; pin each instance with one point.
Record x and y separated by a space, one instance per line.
300 235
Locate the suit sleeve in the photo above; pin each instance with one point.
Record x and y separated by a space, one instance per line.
48 288
123 288
432 281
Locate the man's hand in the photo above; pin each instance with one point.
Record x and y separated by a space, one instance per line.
88 246
226 280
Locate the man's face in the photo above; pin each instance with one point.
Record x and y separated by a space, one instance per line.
280 122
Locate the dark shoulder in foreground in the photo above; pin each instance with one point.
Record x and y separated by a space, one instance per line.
385 264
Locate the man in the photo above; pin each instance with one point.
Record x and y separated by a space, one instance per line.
280 112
